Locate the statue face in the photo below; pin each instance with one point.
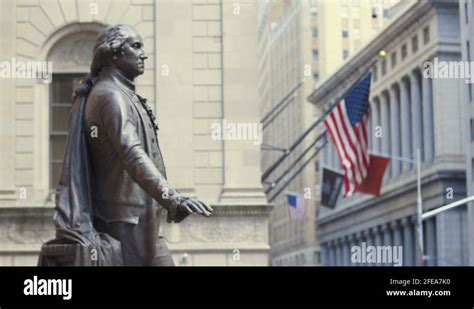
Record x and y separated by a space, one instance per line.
132 59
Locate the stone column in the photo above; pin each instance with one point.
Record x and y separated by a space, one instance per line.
358 242
398 238
335 249
385 123
395 131
339 252
363 238
369 128
408 242
431 250
428 134
346 254
330 248
387 238
375 122
350 244
405 123
377 238
416 113
452 241
370 240
387 234
324 254
7 106
397 233
240 103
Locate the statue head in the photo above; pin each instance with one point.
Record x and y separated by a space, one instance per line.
120 46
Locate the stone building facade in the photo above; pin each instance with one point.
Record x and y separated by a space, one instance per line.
466 21
302 41
201 70
413 112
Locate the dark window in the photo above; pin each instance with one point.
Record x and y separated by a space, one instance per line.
414 43
374 73
315 32
426 35
472 169
315 55
384 67
61 91
374 12
472 129
404 51
316 77
345 33
345 53
386 14
394 59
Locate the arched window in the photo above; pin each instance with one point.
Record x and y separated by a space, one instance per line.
62 87
71 57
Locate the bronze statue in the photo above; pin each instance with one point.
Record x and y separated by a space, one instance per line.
113 188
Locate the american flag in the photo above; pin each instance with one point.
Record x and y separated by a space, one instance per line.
297 206
347 125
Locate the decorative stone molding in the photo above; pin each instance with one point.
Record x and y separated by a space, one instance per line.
25 226
74 50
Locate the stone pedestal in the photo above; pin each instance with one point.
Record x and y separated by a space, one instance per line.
235 235
23 230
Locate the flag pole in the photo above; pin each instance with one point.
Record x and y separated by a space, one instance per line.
300 157
419 200
320 119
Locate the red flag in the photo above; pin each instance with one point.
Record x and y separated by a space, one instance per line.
373 181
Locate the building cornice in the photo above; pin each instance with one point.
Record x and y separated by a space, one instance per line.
402 187
219 210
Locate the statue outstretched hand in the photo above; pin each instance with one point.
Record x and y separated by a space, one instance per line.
182 206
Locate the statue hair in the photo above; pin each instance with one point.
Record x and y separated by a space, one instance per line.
108 44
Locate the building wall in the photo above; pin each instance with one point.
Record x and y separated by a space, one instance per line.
284 55
413 112
201 70
466 16
359 20
289 51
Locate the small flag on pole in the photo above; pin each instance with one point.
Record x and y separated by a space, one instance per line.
373 181
347 125
332 184
298 206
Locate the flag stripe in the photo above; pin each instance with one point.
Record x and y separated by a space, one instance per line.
345 161
329 126
355 146
347 126
350 156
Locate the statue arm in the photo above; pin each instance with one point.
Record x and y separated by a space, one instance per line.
120 125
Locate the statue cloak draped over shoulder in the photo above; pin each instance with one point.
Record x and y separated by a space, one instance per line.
73 212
